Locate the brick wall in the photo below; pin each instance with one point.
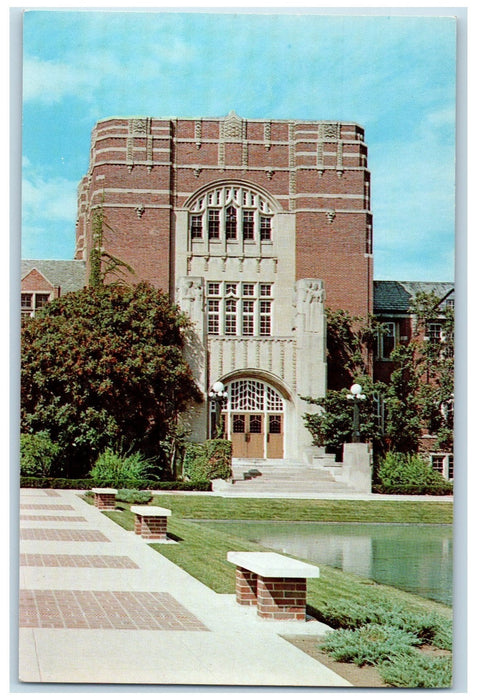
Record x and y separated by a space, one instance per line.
141 170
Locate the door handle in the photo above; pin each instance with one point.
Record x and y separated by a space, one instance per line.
268 437
247 437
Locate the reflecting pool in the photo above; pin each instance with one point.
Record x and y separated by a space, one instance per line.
414 558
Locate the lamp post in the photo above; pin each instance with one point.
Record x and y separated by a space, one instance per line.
218 396
356 396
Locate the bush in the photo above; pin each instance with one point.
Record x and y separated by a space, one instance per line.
115 470
370 644
417 671
429 628
133 496
445 489
82 484
31 482
38 454
211 460
398 470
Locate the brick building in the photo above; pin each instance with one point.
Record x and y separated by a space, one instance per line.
247 224
251 226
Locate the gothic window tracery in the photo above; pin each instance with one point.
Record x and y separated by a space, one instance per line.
232 213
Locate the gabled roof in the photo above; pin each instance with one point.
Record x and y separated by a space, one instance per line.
395 297
69 275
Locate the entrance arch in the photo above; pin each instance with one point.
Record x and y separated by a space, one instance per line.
254 419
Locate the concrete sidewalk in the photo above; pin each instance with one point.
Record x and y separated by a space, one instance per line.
99 605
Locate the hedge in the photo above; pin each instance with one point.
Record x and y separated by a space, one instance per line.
88 484
415 490
210 460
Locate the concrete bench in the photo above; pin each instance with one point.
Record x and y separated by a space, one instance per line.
274 583
105 499
150 522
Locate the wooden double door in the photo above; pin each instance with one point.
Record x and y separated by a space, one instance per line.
256 435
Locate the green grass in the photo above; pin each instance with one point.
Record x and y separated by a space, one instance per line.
203 507
202 552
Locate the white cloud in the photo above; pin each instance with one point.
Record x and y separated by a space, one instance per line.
44 200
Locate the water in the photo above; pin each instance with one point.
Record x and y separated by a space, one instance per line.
414 558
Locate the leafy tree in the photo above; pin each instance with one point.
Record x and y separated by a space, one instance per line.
105 364
349 345
419 393
332 425
436 391
37 454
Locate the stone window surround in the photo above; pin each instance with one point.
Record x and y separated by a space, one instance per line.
239 308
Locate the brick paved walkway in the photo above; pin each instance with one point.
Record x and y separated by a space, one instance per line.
98 605
54 518
105 610
93 561
63 535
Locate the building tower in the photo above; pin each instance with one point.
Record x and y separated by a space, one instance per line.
246 224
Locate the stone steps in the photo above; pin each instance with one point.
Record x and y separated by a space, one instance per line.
283 476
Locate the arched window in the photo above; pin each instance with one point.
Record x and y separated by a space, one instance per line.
232 213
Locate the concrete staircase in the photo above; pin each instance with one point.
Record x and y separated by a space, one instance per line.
289 477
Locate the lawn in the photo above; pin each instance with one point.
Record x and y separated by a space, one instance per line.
215 508
202 551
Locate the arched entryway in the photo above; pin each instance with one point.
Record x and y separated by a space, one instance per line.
254 419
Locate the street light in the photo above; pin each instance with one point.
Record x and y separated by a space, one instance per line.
356 396
218 396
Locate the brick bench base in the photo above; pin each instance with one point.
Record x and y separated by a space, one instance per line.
105 499
272 582
150 522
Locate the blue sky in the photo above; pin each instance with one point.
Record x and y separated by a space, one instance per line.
395 75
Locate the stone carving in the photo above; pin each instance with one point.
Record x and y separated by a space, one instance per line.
267 134
330 215
329 130
140 210
232 127
320 162
190 295
138 127
309 300
245 155
198 134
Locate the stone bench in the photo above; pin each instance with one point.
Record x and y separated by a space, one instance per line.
274 583
150 522
105 499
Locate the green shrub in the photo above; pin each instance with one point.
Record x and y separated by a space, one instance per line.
81 484
429 628
132 496
403 470
194 458
38 454
210 460
444 489
417 671
117 470
32 482
370 644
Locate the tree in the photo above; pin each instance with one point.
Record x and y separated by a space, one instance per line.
105 364
419 395
332 425
434 329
